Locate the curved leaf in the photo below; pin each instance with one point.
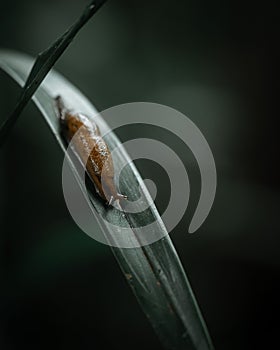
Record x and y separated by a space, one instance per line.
154 271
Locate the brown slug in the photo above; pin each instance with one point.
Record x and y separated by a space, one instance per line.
91 149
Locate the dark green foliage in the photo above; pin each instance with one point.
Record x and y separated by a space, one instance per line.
154 272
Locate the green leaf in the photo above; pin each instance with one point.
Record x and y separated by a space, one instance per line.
44 63
154 272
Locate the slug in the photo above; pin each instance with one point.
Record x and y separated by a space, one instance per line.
91 150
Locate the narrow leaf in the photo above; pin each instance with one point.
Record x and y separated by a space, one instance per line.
43 65
154 271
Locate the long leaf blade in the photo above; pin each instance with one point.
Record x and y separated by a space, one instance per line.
43 64
154 272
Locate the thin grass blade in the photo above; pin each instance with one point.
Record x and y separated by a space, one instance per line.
43 64
154 272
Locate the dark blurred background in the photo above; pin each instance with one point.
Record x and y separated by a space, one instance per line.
211 60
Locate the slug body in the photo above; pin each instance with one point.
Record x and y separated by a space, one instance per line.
91 149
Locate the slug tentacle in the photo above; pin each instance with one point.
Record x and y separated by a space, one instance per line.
60 107
91 150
